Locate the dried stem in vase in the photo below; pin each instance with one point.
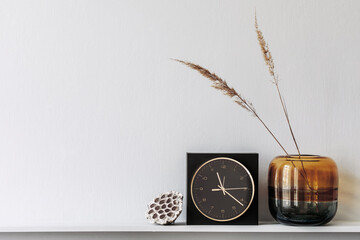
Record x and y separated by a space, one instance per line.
271 66
222 85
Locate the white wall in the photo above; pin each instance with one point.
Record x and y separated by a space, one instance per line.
95 120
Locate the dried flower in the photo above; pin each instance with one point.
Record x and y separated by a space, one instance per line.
269 61
221 85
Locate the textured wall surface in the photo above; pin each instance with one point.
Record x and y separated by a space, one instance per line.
96 120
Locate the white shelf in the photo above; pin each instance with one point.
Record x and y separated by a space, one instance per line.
350 227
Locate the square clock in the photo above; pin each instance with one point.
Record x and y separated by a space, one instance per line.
222 188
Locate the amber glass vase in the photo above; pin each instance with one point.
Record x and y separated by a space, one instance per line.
303 190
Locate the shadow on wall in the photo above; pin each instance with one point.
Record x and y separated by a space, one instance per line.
349 195
264 213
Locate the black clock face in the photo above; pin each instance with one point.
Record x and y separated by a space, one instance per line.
222 189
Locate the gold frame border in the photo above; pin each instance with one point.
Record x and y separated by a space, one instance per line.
252 182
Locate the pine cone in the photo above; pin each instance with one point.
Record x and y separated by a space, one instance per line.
165 208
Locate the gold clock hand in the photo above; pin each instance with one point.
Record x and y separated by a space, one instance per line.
240 188
228 189
221 186
217 189
223 183
233 197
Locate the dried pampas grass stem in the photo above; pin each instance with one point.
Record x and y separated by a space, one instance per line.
222 85
269 61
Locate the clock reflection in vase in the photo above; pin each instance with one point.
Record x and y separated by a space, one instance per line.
222 189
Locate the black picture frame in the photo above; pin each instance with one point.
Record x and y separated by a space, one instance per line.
249 160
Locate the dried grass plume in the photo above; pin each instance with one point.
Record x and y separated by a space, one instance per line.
269 61
221 85
265 51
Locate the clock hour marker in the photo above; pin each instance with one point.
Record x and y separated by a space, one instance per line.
211 208
243 200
